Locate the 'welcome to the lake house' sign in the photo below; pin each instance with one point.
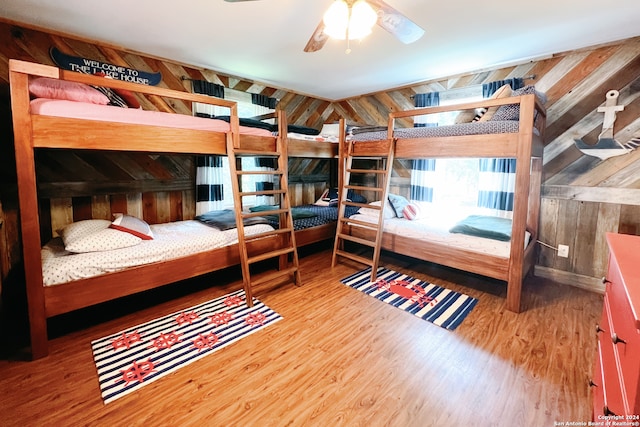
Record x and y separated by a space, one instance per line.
91 66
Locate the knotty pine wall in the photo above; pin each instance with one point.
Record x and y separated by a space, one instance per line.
582 196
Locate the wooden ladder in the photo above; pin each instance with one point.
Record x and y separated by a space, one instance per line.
284 237
383 151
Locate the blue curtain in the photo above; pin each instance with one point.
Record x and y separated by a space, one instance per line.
209 170
489 89
421 100
497 184
263 100
209 188
207 88
422 179
267 181
497 176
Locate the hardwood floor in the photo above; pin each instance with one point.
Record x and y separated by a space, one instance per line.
339 357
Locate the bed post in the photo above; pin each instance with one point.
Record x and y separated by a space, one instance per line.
520 203
28 199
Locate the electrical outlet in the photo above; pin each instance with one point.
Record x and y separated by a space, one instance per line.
563 251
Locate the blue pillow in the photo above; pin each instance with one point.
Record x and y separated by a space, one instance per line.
491 227
398 203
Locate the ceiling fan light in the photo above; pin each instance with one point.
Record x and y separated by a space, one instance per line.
363 18
363 14
336 20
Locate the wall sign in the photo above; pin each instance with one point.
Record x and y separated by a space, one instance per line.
91 66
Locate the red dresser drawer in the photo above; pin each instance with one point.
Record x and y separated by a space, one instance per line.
624 335
613 396
619 339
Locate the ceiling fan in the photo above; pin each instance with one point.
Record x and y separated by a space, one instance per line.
388 18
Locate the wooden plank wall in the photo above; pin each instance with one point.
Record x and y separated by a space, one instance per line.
579 193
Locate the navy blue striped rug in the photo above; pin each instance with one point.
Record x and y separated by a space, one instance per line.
135 357
430 302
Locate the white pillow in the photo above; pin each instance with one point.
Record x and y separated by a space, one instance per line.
132 225
332 129
387 213
80 229
103 240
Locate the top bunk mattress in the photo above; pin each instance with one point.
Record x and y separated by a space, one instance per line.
475 128
109 113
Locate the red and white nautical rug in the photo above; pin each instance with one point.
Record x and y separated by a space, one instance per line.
430 302
135 357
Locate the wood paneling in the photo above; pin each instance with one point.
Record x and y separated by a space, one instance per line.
580 193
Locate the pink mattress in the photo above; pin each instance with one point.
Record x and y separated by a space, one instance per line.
109 113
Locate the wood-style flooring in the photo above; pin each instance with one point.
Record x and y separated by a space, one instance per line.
338 358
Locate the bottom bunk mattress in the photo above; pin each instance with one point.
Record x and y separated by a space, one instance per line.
308 216
170 241
437 231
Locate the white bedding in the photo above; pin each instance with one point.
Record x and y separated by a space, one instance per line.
171 240
81 110
431 230
317 138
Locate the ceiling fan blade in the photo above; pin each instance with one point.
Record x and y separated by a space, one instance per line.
396 23
317 40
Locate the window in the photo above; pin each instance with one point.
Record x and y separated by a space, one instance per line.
454 182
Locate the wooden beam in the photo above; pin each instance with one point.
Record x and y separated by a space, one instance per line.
621 196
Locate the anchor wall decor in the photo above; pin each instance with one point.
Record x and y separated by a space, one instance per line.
607 146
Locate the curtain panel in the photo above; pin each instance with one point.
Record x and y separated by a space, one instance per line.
209 184
422 180
496 184
209 169
489 89
421 100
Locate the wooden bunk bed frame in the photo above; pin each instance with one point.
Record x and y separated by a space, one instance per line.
32 132
526 146
316 150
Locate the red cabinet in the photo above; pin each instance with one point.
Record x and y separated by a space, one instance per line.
616 375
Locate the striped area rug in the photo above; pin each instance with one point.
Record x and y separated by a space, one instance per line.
430 302
137 356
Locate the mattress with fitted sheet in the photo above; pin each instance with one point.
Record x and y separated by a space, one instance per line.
171 240
324 215
109 113
475 128
431 230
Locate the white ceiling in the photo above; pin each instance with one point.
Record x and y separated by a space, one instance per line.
263 40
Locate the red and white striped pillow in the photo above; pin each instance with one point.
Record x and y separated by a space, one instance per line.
411 211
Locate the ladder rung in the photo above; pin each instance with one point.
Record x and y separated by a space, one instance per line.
355 257
271 254
367 170
357 240
365 224
256 153
358 187
362 205
273 172
266 234
273 275
260 193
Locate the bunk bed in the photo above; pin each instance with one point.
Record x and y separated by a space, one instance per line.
322 226
521 139
36 127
